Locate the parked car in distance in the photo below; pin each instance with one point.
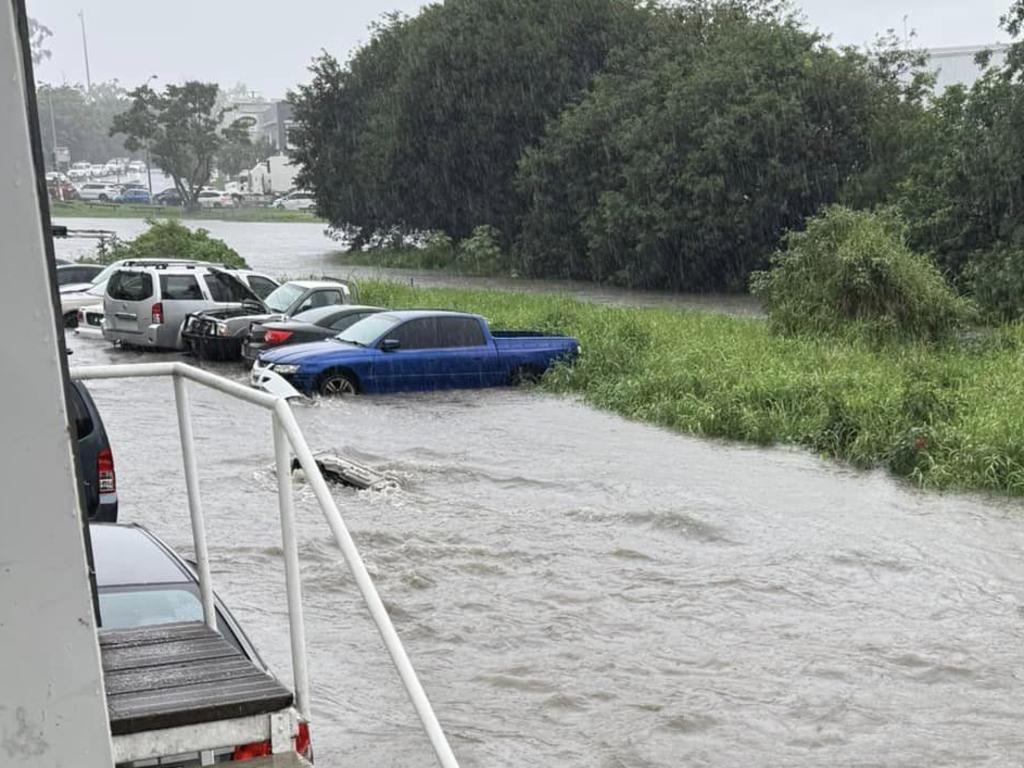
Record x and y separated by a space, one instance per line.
414 350
95 190
79 171
145 306
133 195
219 333
97 170
142 582
299 200
215 198
77 274
96 461
168 196
312 325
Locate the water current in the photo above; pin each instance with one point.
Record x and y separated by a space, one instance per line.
579 590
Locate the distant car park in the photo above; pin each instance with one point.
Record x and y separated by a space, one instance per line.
98 191
299 200
168 196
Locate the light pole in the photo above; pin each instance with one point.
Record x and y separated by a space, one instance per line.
53 137
85 51
149 170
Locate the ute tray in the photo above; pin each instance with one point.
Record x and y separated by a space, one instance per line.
173 675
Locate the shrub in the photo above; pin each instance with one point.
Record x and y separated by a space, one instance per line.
852 272
996 279
170 239
481 253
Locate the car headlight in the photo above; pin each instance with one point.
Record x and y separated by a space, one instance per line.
222 329
285 370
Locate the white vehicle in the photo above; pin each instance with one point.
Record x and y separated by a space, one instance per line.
79 171
90 321
97 190
137 166
97 170
215 198
73 301
299 200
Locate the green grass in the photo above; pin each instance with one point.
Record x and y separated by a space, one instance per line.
97 210
940 416
419 259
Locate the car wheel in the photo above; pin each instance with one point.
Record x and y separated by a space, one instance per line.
103 198
525 374
337 385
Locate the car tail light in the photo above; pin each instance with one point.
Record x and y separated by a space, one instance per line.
302 745
105 471
273 336
158 314
249 751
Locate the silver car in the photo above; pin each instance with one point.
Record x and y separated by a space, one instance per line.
146 306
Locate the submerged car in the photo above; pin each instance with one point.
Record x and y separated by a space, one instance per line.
218 333
415 350
312 325
141 582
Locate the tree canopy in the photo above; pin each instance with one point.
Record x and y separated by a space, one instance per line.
82 119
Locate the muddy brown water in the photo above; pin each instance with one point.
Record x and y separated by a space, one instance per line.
578 590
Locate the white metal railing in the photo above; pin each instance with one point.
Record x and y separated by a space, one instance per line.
286 433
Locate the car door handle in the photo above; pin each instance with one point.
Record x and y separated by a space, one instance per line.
125 316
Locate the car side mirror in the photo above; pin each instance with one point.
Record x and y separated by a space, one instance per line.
390 345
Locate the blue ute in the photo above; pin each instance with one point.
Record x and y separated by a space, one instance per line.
415 350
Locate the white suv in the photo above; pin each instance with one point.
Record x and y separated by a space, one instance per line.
98 191
299 200
215 198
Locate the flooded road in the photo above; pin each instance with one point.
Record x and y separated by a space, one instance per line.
578 590
302 250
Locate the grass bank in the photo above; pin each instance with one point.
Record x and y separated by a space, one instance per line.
421 259
942 417
90 210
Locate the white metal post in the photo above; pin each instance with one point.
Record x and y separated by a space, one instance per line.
293 580
195 509
378 612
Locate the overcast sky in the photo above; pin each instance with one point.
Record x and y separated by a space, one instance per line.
268 45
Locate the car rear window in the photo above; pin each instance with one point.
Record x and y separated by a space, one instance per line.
225 288
180 288
130 286
459 332
146 606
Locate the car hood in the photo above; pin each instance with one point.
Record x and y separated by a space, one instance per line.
293 354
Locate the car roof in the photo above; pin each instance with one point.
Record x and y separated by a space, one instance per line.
319 284
130 555
412 314
318 313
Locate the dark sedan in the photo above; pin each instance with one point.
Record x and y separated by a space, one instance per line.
99 483
312 325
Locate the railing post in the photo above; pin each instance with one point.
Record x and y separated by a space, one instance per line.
188 455
293 580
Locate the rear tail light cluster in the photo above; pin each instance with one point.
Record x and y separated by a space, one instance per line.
274 336
105 471
302 745
158 313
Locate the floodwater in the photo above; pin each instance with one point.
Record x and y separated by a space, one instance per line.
302 250
578 590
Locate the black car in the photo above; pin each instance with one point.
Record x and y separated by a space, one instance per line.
99 480
167 197
312 325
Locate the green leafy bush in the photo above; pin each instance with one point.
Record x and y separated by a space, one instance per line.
852 272
996 279
481 253
171 240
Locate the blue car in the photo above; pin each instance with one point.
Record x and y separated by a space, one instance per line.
137 196
414 350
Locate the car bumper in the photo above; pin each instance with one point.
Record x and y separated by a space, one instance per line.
252 352
213 347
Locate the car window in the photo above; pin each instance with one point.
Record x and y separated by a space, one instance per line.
283 297
369 329
459 332
320 299
80 414
180 288
420 333
261 286
130 286
344 321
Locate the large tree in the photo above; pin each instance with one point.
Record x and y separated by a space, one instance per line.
81 119
424 126
725 125
184 131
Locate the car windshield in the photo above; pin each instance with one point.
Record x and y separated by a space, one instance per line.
102 277
98 289
368 330
283 297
